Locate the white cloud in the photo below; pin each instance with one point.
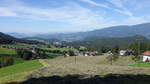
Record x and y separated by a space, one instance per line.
73 13
96 4
136 20
70 14
117 3
6 12
125 12
120 5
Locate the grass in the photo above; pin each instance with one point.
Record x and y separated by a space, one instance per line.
10 52
34 39
90 65
144 64
62 49
20 68
7 51
52 55
18 60
15 45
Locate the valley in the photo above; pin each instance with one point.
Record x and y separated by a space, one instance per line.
23 60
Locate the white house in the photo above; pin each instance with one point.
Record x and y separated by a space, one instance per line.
122 52
146 56
126 52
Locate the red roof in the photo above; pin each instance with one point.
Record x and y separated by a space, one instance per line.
147 53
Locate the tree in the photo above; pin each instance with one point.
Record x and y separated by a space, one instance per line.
19 53
49 46
24 54
103 50
71 53
27 55
112 57
82 48
137 59
115 49
43 54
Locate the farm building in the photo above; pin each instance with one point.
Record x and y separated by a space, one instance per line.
146 56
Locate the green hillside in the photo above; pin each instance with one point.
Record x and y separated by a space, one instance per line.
95 43
7 39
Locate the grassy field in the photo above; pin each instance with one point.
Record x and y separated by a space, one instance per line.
52 55
97 65
16 46
18 60
63 49
7 51
34 39
20 68
88 66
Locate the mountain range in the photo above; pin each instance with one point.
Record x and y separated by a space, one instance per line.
115 31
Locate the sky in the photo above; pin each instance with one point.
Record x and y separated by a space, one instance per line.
54 16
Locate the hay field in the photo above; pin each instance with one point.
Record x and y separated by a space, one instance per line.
86 66
96 65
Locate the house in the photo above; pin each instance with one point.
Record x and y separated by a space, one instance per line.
126 52
109 53
146 56
122 52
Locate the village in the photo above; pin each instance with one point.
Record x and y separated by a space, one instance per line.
60 48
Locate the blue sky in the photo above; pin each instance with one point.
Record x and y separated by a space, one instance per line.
49 16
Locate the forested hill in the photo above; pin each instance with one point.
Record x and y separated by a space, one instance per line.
7 39
95 43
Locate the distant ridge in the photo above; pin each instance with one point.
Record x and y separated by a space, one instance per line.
115 31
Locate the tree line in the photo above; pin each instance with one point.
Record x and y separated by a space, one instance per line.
30 54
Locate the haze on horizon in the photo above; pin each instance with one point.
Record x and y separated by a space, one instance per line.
43 16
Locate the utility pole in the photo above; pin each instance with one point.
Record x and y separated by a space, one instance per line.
138 41
75 58
139 46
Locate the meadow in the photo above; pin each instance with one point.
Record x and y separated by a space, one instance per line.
91 65
16 45
52 55
17 71
75 65
7 51
62 49
19 68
